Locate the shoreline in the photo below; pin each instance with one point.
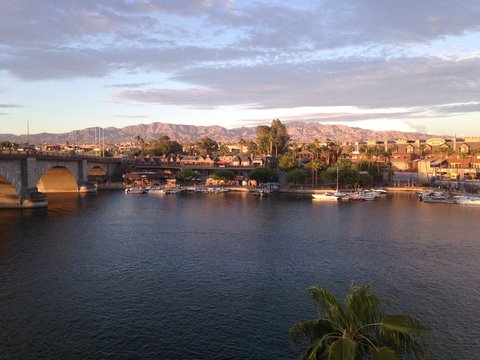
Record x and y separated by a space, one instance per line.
281 189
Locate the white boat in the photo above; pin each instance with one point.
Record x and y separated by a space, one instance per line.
467 200
437 197
172 191
360 196
369 196
136 190
215 190
265 189
431 195
376 192
329 196
157 191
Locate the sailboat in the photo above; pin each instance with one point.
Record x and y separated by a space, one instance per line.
330 196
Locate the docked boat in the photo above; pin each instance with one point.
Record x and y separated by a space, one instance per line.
215 190
265 189
136 190
157 191
369 196
377 192
437 197
329 196
429 195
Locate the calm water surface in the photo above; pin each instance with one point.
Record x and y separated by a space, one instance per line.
115 276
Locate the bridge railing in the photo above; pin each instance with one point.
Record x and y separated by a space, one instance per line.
54 154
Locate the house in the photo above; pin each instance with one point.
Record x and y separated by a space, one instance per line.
245 160
236 161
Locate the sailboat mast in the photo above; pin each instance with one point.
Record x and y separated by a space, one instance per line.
337 178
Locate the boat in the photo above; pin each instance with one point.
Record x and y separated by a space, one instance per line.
156 191
369 196
172 191
265 189
329 196
437 197
215 190
431 195
136 190
376 192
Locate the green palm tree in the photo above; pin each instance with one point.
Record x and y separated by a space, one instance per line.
358 329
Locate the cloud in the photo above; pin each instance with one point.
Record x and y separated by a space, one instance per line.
459 108
91 38
65 63
5 106
332 24
70 62
367 84
129 85
132 116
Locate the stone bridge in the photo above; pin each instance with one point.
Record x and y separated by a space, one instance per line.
25 176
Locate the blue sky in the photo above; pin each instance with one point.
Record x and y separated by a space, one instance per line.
378 64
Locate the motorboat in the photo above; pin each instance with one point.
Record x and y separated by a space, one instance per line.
431 195
136 190
265 189
376 192
329 196
437 197
157 191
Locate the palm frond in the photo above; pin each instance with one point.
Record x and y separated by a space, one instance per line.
314 352
311 330
343 348
404 333
327 304
362 307
404 324
385 353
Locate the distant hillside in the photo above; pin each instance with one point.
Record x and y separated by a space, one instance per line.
299 131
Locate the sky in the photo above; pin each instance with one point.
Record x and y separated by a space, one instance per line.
378 64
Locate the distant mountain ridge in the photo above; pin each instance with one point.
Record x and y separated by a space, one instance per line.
299 131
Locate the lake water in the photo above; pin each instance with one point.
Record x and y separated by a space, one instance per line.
189 276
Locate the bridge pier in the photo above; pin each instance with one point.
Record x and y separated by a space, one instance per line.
30 197
33 199
84 186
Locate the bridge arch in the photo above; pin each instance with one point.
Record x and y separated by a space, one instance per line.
96 173
57 178
9 193
15 182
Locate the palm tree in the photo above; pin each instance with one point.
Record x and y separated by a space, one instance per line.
359 329
242 142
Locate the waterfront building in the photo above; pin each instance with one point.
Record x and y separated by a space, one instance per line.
438 161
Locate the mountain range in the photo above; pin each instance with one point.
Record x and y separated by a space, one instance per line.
298 131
